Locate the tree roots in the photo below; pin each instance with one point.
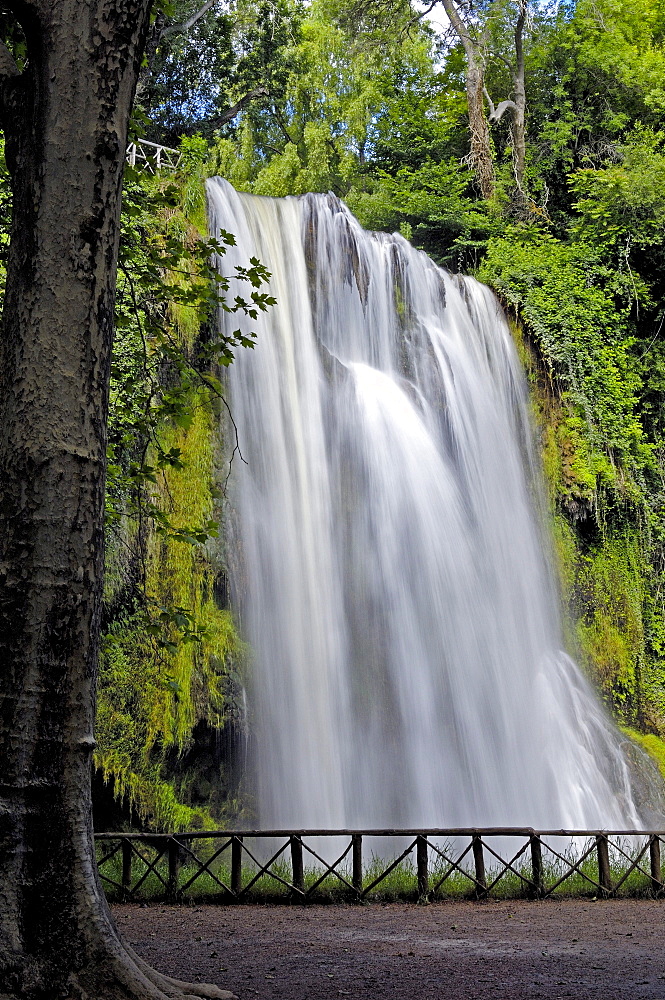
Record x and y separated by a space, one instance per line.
122 975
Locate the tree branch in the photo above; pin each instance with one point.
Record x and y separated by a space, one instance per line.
280 122
497 112
463 30
420 15
161 30
230 113
178 29
506 62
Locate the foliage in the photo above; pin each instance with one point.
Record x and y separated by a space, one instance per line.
579 310
624 203
199 74
189 78
168 647
610 592
317 130
161 371
431 206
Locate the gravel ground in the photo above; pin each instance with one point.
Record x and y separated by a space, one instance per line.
608 949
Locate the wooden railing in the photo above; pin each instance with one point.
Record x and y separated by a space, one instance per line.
231 867
151 156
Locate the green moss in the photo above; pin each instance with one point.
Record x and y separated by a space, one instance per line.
156 684
610 587
652 744
180 575
133 693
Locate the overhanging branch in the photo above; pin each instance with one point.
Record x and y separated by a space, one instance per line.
179 29
230 113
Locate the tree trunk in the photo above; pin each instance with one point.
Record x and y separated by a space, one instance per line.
65 119
481 147
480 156
519 111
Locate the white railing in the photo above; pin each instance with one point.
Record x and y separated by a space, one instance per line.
151 156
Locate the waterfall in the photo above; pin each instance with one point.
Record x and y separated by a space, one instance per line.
391 569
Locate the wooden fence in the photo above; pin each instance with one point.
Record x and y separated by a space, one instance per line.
231 867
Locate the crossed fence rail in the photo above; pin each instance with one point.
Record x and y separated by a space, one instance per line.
229 866
151 156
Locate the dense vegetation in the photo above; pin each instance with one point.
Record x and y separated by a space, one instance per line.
171 652
565 220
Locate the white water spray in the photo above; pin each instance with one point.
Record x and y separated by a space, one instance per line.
392 582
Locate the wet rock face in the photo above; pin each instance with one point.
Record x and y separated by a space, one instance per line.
208 775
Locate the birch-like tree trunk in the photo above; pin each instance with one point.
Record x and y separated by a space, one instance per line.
65 119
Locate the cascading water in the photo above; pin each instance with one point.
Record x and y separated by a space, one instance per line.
392 583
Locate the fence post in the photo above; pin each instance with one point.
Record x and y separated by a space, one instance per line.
654 858
604 874
538 890
421 866
479 861
174 868
298 879
236 865
357 861
126 879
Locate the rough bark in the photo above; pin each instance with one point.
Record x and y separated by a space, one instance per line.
481 147
65 118
481 160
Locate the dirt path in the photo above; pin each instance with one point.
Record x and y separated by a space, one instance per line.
609 950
